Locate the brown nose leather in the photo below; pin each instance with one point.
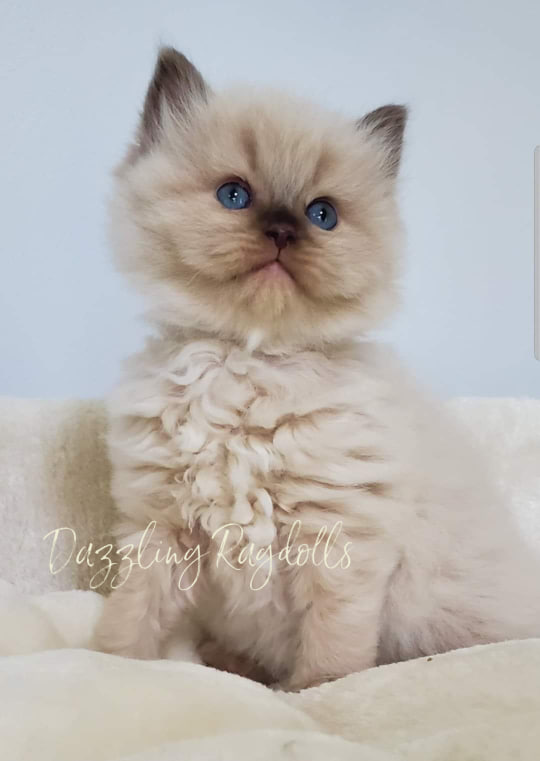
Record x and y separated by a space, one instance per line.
282 234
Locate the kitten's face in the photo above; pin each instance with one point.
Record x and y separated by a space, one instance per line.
258 216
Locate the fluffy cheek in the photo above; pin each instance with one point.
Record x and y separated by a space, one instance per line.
211 241
337 267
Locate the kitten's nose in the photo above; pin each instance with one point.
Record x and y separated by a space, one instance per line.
282 233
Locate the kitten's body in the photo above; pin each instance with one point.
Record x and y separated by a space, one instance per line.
255 407
339 436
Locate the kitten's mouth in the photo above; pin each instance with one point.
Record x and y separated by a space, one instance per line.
275 268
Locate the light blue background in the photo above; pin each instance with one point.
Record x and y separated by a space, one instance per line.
72 77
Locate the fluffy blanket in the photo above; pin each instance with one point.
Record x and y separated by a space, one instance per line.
61 701
77 705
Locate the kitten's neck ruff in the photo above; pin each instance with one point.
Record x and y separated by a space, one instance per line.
255 342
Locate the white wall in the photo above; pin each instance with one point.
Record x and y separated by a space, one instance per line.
72 76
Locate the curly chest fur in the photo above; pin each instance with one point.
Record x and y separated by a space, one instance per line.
210 435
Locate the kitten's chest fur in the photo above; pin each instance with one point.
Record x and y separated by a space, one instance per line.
225 436
245 438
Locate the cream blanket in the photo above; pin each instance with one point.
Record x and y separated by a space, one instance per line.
59 701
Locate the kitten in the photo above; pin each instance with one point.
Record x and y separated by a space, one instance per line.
265 235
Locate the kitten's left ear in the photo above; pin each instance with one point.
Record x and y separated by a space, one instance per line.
387 123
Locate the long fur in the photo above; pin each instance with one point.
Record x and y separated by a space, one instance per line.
255 405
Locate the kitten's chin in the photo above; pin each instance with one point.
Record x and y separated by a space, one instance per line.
267 291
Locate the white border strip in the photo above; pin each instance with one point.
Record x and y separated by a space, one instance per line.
537 252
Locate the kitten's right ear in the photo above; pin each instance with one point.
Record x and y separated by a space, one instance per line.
387 124
176 84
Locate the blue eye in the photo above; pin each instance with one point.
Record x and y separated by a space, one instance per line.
234 195
322 214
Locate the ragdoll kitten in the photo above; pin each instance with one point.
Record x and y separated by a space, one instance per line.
264 233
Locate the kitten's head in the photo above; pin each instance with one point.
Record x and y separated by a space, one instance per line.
255 215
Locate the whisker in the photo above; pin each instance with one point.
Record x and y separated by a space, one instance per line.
192 279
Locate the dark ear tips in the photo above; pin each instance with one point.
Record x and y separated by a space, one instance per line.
175 84
387 123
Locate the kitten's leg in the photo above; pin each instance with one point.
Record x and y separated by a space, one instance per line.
339 633
182 643
144 614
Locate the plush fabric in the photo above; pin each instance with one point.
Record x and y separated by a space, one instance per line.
76 705
53 473
60 701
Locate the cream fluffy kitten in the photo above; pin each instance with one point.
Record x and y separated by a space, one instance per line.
264 233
